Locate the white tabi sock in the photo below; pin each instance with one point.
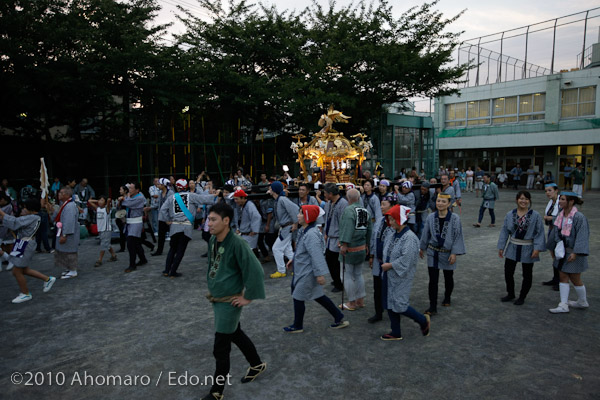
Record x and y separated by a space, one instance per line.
581 294
5 256
564 292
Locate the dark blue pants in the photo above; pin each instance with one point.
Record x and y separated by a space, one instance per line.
163 228
482 211
509 272
41 237
410 313
324 301
434 276
377 296
177 249
134 246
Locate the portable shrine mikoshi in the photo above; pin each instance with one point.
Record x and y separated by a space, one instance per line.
331 156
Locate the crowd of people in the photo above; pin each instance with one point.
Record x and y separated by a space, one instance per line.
335 230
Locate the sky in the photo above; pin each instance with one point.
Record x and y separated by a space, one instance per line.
480 18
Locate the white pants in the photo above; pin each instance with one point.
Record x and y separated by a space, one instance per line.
282 248
578 189
530 180
354 284
470 184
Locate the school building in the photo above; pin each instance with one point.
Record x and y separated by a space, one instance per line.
548 121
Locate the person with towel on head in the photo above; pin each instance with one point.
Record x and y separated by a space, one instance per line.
285 212
442 240
354 238
570 246
134 203
400 252
165 192
407 198
246 220
309 270
179 211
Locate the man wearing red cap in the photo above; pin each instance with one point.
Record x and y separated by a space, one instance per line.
180 211
309 269
400 252
246 219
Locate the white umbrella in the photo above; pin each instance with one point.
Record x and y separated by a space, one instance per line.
43 179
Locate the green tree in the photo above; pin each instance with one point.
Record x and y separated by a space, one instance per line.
242 64
75 63
280 70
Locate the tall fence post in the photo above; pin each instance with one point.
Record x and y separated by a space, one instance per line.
584 34
553 47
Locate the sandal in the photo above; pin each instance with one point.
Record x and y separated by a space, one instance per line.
345 306
253 372
389 336
425 331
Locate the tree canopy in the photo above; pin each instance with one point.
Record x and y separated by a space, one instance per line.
101 68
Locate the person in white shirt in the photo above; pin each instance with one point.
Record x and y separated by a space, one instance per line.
154 191
470 175
103 222
502 177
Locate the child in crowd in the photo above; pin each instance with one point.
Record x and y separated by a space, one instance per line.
102 208
25 227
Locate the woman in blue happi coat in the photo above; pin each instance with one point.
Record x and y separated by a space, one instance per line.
309 268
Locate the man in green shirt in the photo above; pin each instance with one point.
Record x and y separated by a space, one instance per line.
235 278
578 177
355 234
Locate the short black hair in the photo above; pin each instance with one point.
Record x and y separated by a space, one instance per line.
32 204
524 193
223 210
306 185
331 188
488 175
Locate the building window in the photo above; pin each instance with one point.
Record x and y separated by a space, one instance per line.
505 110
532 107
578 102
455 115
478 112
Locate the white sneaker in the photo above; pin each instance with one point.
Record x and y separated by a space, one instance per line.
22 297
562 308
48 285
66 271
577 304
69 275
